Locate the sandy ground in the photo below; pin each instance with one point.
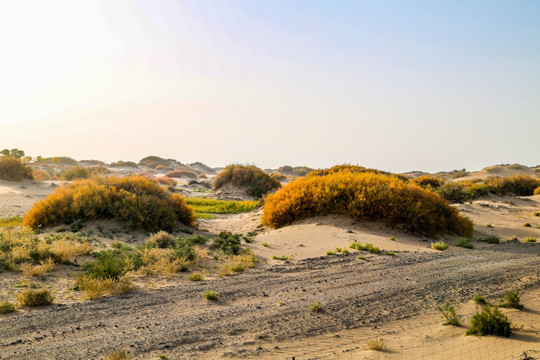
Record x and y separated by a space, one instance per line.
265 313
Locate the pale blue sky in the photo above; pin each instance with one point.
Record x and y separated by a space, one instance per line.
395 85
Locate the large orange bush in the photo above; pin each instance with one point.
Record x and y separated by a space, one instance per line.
136 199
365 196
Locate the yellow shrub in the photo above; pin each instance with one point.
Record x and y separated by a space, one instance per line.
136 199
12 168
537 191
254 180
521 185
66 250
96 288
36 270
364 196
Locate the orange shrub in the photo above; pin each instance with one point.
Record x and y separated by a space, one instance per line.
136 199
41 175
346 168
182 173
365 196
537 191
13 169
256 181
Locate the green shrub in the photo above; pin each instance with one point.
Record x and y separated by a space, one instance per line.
14 169
34 297
138 200
285 257
452 192
214 206
364 196
182 173
473 191
439 245
7 307
527 225
464 243
254 180
512 300
492 239
210 295
428 181
491 321
365 247
317 307
109 264
449 312
196 277
154 161
530 240
228 242
479 300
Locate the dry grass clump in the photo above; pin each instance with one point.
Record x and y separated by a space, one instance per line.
182 173
34 297
254 180
37 270
136 199
7 307
67 250
439 245
77 172
377 344
96 288
449 313
364 196
238 263
14 169
210 295
118 355
195 276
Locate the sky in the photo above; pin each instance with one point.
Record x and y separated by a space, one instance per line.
394 85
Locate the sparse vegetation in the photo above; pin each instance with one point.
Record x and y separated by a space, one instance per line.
94 288
518 185
377 344
490 321
7 307
464 243
512 300
138 200
389 253
118 355
479 300
364 196
210 295
365 247
283 257
449 313
492 239
254 180
439 245
317 307
34 297
361 257
195 276
265 244
11 221
530 240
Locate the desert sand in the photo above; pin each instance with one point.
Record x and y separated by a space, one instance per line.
265 313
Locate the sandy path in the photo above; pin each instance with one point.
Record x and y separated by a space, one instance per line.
274 301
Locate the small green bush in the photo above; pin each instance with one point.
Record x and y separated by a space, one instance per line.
317 307
196 277
228 242
491 239
527 224
210 295
34 297
439 245
7 307
283 257
449 312
77 172
479 300
512 300
491 321
365 247
530 240
464 243
520 185
377 344
256 181
452 192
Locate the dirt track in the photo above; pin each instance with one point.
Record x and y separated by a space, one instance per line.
274 301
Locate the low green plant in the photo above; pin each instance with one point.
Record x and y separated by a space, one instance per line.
527 224
330 252
34 297
210 295
265 244
7 307
479 300
361 257
228 242
536 213
317 307
492 239
283 257
205 206
464 243
449 312
490 321
365 247
393 238
530 240
389 253
11 221
489 226
512 300
196 277
439 245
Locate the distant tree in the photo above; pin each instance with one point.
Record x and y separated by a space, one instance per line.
16 153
